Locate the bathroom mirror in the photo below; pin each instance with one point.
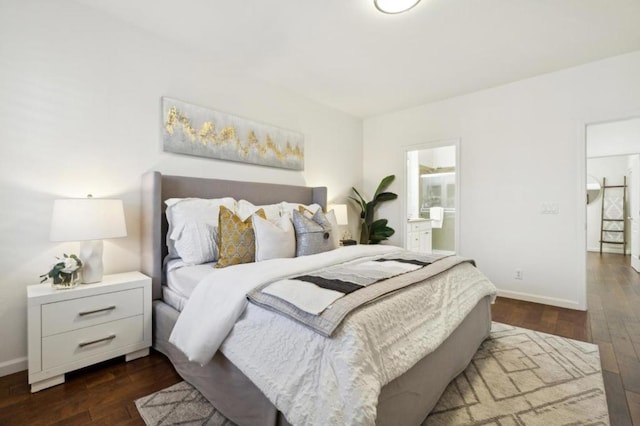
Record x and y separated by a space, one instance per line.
593 189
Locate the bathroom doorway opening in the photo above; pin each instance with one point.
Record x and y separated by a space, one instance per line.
432 197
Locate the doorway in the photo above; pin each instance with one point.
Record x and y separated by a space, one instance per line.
432 194
613 153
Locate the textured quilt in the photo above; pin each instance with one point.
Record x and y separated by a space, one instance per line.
322 299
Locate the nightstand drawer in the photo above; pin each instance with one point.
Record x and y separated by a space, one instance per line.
74 314
67 348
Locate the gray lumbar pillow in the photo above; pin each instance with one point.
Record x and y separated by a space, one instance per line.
312 235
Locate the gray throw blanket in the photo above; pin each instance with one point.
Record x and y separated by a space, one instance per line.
347 287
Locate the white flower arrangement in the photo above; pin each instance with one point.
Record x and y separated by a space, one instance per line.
64 271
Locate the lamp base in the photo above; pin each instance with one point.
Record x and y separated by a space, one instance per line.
91 256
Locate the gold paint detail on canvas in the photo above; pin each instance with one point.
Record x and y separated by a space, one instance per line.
207 135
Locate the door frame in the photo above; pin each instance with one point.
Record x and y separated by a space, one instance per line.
581 208
428 145
634 234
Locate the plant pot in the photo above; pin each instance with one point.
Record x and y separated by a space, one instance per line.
66 281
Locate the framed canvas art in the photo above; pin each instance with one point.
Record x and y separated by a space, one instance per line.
195 130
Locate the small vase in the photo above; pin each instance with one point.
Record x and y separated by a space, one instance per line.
66 281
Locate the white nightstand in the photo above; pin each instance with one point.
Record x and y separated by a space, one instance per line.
71 329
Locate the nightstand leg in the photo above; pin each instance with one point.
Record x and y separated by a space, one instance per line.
47 383
137 354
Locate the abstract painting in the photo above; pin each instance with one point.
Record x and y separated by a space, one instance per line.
194 130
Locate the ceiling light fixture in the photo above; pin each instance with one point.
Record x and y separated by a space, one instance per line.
394 6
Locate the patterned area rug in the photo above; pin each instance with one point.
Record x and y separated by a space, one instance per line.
517 377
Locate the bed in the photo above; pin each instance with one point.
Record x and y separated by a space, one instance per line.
407 399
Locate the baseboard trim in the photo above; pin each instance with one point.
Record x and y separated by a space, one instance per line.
561 303
13 366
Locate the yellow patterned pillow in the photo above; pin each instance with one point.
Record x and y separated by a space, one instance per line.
237 242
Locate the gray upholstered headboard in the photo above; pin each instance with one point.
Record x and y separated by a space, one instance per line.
157 188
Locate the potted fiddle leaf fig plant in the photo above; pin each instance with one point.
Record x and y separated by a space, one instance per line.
374 231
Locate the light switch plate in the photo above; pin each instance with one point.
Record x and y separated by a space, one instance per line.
549 208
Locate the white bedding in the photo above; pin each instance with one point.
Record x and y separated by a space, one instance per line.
182 279
173 299
220 298
310 378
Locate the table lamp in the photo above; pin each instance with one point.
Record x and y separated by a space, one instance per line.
88 220
342 218
340 210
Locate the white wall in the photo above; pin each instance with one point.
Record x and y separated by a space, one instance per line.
522 145
80 112
614 169
614 138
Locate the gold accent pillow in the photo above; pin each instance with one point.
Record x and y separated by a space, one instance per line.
306 212
237 242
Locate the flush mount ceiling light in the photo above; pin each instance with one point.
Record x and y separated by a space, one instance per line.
394 6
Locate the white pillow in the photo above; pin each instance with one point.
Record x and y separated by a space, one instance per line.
197 243
201 215
246 209
286 208
274 240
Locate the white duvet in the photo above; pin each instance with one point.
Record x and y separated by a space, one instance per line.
310 378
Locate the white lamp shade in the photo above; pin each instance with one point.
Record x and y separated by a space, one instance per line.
394 6
81 219
340 210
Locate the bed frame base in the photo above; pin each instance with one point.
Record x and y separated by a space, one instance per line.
406 400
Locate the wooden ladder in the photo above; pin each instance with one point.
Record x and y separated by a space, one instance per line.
604 219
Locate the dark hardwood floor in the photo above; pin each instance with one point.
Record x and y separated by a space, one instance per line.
99 395
614 316
104 394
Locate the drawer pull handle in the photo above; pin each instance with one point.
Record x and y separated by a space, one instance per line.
104 339
95 311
